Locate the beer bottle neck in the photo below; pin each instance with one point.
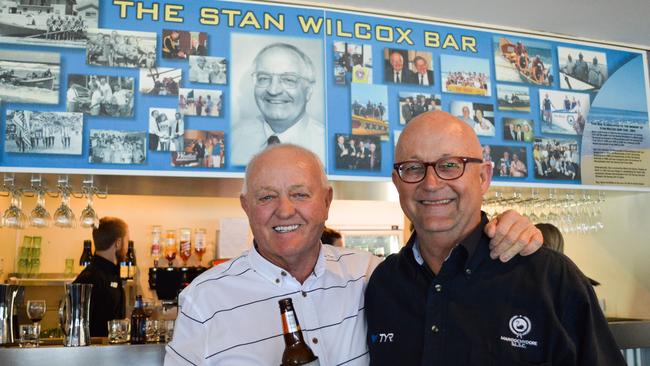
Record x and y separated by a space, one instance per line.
291 328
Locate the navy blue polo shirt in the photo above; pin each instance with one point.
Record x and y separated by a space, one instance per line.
534 310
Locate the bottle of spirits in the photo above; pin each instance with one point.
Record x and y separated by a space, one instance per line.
296 351
199 243
156 232
86 254
185 245
138 322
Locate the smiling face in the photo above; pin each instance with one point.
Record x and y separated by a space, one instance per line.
421 65
396 61
287 205
435 206
282 106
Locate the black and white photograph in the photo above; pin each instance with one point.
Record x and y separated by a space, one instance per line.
412 105
357 152
408 67
180 44
208 70
278 95
465 75
117 147
56 23
370 110
556 159
203 149
518 129
121 48
30 132
100 95
200 102
160 81
352 63
507 161
563 112
513 98
479 116
25 80
581 69
166 129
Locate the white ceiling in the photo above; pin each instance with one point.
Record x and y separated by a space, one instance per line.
622 21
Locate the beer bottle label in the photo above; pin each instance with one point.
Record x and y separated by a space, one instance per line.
124 270
291 322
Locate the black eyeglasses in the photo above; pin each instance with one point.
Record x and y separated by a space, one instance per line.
449 168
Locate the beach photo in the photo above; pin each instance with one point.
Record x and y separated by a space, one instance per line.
465 75
200 102
513 98
521 60
24 80
563 112
581 69
120 48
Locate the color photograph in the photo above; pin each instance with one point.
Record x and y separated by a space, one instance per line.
513 98
180 44
117 147
277 89
412 105
208 70
357 152
507 161
370 110
479 116
98 95
563 112
200 102
49 23
24 81
408 67
521 60
556 159
518 129
203 149
166 128
466 75
581 69
160 81
30 132
352 63
120 48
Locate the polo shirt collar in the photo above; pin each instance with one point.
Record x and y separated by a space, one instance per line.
279 276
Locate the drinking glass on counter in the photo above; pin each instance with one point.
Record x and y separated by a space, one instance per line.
170 246
36 310
29 335
118 331
154 331
185 244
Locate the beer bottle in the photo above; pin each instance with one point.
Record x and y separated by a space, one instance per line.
296 351
138 323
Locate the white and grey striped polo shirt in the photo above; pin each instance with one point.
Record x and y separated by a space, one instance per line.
229 315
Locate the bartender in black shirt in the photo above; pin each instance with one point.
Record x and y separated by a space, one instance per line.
111 239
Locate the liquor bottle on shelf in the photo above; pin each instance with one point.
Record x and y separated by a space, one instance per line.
86 254
199 243
130 261
138 322
170 246
296 351
155 244
185 245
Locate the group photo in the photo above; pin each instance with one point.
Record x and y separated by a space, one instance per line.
582 69
355 152
465 75
518 129
100 95
202 149
556 159
412 105
200 102
408 67
370 110
166 129
180 44
120 48
507 161
117 147
32 132
208 70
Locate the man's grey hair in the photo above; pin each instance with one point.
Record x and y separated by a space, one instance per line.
256 157
309 65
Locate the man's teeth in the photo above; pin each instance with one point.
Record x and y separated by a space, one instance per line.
285 229
436 202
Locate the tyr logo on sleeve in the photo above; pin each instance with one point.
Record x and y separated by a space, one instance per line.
382 338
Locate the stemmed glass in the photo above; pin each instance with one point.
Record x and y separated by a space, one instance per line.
39 217
63 216
14 217
88 216
36 310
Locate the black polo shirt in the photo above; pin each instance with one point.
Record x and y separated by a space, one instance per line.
107 297
534 310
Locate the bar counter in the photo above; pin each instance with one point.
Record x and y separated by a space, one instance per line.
95 355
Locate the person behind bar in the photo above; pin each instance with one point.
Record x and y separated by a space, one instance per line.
107 300
229 315
283 84
442 301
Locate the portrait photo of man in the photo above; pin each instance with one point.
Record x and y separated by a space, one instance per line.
277 95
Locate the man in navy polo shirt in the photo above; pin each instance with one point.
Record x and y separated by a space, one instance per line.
443 301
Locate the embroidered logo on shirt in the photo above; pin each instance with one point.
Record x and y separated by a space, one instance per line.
382 338
114 284
520 326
